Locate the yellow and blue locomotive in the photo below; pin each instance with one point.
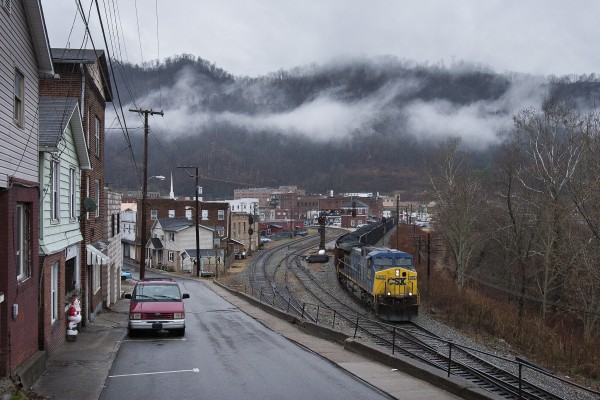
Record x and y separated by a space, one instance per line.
384 279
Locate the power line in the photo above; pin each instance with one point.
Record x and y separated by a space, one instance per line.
107 82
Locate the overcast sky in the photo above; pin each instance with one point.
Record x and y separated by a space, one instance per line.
256 37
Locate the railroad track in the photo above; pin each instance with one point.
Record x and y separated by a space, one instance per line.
279 272
273 262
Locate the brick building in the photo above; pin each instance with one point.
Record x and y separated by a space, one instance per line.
83 74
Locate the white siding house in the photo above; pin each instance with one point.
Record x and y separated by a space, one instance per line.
128 217
171 237
63 154
24 60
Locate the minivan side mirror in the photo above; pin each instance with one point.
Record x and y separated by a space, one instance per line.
185 296
128 295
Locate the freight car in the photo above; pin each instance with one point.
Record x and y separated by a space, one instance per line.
384 279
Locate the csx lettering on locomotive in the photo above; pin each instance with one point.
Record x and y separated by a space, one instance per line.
397 281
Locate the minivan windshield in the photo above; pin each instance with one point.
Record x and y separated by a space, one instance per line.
156 292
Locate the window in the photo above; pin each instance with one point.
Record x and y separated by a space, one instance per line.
23 240
97 189
19 98
204 215
54 292
171 213
87 194
221 215
96 277
97 136
112 225
72 194
188 214
153 214
171 236
171 256
55 188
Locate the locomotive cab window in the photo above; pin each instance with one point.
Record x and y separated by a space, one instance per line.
384 262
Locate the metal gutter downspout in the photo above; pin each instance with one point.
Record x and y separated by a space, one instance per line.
83 95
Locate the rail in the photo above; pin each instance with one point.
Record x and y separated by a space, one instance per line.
513 385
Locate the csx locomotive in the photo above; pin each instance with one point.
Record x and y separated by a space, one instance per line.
384 279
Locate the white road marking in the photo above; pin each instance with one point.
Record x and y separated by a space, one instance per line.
156 373
153 340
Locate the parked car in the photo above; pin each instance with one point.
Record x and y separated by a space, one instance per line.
300 232
156 304
125 275
240 255
264 239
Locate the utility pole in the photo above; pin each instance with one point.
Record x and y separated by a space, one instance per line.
145 189
397 221
197 221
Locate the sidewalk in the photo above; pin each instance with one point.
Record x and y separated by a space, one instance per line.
78 369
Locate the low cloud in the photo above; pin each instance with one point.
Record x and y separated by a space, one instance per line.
478 124
329 115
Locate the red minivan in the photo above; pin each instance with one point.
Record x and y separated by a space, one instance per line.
156 304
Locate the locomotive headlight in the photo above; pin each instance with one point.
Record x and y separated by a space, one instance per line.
397 272
410 293
389 294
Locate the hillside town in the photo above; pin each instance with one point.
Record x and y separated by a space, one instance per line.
66 232
231 229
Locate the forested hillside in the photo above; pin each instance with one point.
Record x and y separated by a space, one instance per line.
354 125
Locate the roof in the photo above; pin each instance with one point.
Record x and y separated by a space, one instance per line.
55 114
39 35
175 224
156 243
85 56
76 56
358 204
213 227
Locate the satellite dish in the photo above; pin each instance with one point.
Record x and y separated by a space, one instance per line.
89 204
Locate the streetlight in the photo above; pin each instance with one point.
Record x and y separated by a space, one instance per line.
143 243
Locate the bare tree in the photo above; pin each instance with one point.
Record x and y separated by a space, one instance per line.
552 153
517 225
458 195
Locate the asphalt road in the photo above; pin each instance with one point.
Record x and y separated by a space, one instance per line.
225 354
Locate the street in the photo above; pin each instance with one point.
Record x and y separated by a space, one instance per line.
225 354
